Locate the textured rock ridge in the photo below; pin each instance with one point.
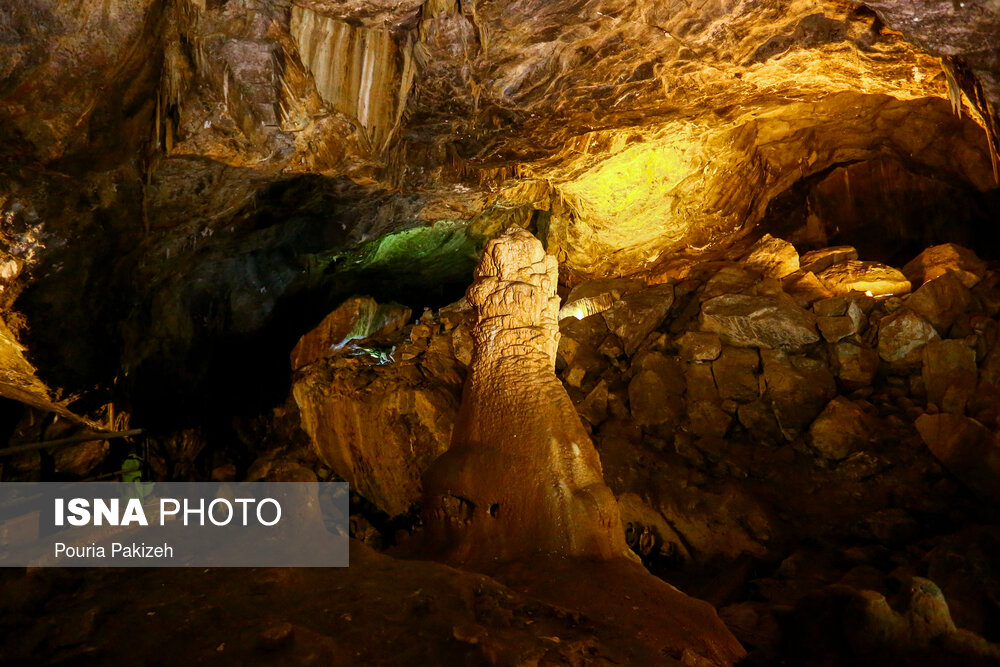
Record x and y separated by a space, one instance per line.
522 475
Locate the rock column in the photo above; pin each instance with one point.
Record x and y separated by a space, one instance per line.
522 476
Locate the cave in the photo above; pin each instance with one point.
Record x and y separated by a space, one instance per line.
642 333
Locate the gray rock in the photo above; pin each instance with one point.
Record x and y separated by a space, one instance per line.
759 321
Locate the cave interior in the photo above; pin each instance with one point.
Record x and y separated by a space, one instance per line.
643 332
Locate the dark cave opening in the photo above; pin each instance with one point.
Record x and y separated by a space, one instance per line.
887 210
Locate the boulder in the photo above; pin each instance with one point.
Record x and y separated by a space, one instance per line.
639 314
356 318
700 382
377 428
773 257
730 279
824 258
868 277
758 321
653 399
805 288
798 389
902 335
708 420
855 365
950 374
735 373
835 329
835 306
966 448
941 259
841 429
758 418
699 346
940 301
594 408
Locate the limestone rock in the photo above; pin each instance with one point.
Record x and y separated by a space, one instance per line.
840 430
758 418
835 329
637 315
377 429
758 321
700 382
940 300
773 257
855 276
730 279
708 420
521 476
735 373
966 448
835 306
902 335
358 317
950 374
822 259
653 399
946 258
700 346
80 459
798 389
855 365
805 288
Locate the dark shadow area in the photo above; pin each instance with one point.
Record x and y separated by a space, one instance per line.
886 211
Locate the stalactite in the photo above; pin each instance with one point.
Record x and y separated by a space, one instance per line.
954 89
357 71
966 79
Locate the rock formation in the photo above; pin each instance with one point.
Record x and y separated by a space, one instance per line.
522 476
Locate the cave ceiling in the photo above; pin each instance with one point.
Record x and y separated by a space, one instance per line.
157 153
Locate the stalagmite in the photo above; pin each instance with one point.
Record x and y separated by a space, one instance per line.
522 475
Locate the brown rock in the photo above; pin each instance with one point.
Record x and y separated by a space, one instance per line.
855 276
594 408
708 420
358 317
855 365
700 382
798 389
805 288
835 306
700 346
735 373
950 374
835 329
966 448
773 257
941 259
940 301
637 315
902 335
379 430
653 399
730 279
758 419
824 258
758 321
840 430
